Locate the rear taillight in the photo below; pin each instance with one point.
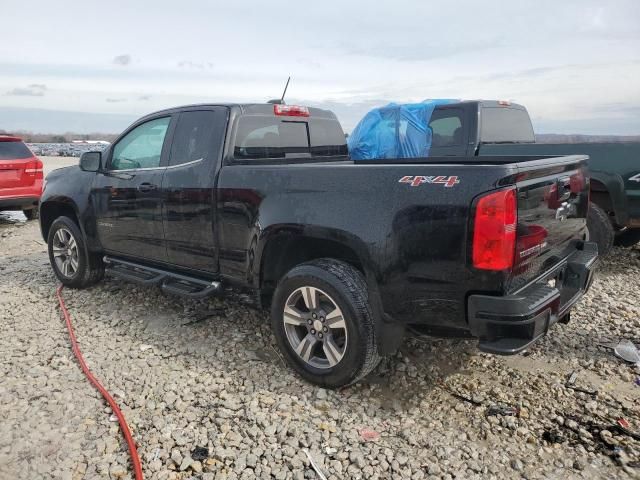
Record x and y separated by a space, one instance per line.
34 167
291 110
494 231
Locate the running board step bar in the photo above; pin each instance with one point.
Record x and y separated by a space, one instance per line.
169 282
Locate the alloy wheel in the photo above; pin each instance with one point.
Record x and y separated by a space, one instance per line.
315 327
65 252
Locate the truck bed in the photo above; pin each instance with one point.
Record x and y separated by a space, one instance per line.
410 221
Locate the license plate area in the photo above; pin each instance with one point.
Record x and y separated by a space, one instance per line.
556 279
10 178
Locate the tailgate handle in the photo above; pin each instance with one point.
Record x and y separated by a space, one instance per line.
564 188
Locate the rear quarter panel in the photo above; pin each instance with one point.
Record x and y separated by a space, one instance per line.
411 240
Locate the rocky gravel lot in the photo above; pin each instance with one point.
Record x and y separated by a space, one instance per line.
207 396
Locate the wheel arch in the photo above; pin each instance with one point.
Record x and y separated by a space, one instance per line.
607 191
52 209
284 248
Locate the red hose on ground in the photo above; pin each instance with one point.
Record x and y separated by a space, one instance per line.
135 459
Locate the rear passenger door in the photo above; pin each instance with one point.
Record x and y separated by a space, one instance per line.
450 135
187 186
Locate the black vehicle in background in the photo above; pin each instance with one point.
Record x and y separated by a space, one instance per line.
490 128
345 254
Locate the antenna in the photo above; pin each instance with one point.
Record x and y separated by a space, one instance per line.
280 101
285 90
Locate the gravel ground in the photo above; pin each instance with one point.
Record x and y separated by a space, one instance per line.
195 375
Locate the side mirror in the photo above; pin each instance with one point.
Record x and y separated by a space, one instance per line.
90 161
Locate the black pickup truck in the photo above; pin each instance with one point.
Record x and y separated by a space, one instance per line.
490 128
346 254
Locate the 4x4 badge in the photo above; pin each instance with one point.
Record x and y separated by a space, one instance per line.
417 180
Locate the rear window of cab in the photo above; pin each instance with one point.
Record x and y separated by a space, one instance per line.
505 125
267 137
14 150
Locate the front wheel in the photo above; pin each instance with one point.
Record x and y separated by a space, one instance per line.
72 263
323 323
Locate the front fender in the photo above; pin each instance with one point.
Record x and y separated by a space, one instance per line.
54 206
69 189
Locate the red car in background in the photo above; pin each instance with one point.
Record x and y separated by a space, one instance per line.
20 177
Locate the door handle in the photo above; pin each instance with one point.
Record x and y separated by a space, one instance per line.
147 187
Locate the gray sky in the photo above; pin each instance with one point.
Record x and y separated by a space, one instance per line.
574 63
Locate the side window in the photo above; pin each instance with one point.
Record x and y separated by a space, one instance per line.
446 125
141 147
192 139
268 137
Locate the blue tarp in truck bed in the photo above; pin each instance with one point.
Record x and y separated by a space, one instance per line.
394 131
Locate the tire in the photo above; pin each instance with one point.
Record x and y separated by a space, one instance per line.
628 238
72 263
600 229
32 213
348 351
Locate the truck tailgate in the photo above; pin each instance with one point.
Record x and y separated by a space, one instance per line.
553 199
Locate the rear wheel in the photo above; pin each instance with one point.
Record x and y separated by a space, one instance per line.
32 213
323 323
72 263
600 229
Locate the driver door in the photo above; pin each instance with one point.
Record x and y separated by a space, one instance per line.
127 195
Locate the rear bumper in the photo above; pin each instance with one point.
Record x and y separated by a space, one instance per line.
19 202
508 325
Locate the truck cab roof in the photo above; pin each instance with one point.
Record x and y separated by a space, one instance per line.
487 103
243 109
498 121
